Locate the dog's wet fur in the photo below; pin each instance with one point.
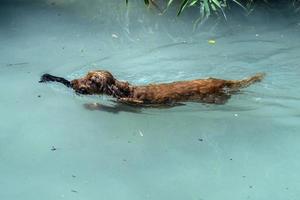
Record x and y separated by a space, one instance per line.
210 90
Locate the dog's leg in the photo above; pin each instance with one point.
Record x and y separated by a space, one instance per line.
130 101
215 98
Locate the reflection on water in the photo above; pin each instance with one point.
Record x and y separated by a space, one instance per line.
245 149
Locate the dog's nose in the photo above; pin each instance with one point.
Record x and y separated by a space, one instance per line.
45 78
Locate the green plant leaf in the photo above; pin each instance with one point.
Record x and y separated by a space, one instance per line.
126 1
206 8
213 7
193 2
202 14
195 25
238 3
217 3
169 3
146 2
182 6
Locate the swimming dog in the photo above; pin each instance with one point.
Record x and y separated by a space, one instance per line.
209 90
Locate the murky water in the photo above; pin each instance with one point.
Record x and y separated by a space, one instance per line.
51 147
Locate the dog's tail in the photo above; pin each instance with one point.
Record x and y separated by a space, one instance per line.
49 78
235 85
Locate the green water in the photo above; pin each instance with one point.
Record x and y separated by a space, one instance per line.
246 149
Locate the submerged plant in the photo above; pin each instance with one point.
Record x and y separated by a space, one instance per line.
207 7
216 7
296 5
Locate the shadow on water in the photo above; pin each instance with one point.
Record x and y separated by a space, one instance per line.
120 107
115 109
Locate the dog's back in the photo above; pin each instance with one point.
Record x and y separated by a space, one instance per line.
209 90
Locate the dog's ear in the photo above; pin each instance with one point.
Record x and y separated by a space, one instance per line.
123 86
103 86
102 78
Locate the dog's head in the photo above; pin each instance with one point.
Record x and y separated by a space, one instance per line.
95 82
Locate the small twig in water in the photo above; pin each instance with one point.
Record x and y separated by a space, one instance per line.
14 64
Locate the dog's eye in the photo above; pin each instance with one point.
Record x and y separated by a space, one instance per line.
95 79
82 91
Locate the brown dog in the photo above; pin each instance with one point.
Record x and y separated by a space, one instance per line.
210 90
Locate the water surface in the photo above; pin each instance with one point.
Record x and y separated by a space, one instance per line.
52 147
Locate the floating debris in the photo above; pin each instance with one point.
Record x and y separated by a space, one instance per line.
141 133
114 35
200 139
211 42
75 191
53 148
257 99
